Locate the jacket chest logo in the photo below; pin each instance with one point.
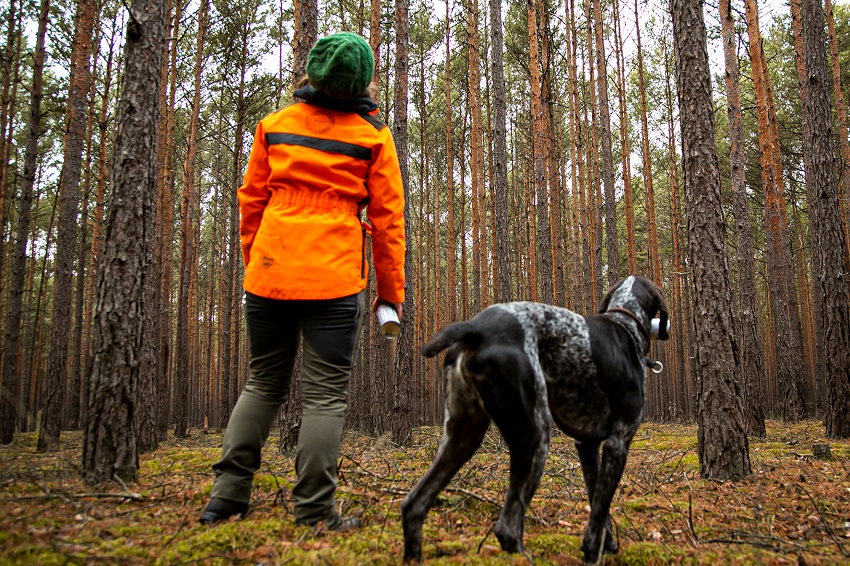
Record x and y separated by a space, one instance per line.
319 122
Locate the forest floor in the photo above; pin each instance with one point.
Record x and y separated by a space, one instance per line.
794 509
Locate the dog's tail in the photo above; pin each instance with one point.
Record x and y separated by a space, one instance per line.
464 331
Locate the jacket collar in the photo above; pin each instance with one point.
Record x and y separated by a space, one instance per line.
312 96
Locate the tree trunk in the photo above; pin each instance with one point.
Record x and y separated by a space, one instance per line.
783 296
607 155
504 290
538 145
401 425
480 281
76 118
829 254
97 225
625 147
8 400
306 34
841 113
749 338
11 52
722 438
110 449
187 251
375 36
451 259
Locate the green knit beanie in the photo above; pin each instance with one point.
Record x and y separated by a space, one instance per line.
340 65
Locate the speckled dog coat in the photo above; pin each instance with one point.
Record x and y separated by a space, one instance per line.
524 365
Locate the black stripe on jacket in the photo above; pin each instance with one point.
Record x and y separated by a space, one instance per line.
330 146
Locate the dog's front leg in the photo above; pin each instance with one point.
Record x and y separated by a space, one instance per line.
614 453
588 453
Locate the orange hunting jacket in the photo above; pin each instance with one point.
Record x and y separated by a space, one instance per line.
314 166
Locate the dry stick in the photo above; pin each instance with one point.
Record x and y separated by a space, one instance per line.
823 520
694 535
487 534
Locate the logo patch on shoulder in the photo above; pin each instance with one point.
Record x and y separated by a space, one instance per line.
319 121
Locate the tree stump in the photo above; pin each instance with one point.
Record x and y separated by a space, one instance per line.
822 451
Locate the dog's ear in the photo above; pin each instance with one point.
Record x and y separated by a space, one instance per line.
603 306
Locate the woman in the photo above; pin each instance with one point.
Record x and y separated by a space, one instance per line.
314 166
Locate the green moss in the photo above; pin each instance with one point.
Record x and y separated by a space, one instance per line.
644 554
552 544
271 483
41 555
688 463
203 542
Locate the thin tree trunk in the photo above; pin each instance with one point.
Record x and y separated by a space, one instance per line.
401 425
182 374
538 144
8 400
841 113
783 297
625 147
476 165
451 289
607 154
76 119
10 56
749 337
504 290
306 34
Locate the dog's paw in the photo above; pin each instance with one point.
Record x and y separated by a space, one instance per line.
597 543
508 539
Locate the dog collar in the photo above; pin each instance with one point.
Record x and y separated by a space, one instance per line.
634 317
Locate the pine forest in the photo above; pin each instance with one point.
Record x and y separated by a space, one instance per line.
548 148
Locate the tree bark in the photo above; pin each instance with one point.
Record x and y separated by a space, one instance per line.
829 254
783 296
722 438
504 290
401 425
841 114
306 34
110 447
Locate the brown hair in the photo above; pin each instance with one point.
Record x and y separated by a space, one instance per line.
371 91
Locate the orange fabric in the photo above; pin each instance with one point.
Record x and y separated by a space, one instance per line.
302 237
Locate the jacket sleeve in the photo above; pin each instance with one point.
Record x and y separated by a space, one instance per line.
386 214
254 193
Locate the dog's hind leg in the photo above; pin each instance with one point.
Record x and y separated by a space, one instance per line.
465 424
515 398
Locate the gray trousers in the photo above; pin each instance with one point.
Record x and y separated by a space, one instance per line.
330 330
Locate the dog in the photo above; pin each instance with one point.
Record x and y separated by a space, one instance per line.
524 365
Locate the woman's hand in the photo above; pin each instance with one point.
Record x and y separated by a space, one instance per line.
378 301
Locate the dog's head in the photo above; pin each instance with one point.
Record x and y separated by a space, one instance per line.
642 297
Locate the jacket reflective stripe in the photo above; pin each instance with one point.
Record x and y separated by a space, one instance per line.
330 146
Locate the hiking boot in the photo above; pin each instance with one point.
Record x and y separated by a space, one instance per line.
219 509
334 523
